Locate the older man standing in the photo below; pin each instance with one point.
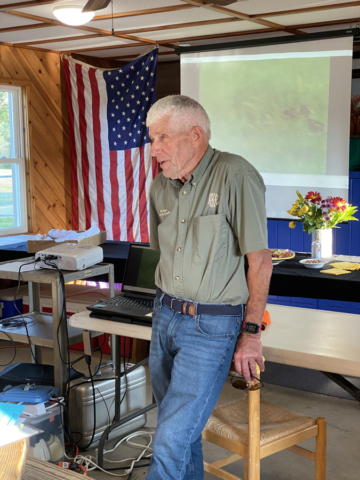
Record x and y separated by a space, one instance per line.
207 212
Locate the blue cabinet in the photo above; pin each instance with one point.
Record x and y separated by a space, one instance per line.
346 242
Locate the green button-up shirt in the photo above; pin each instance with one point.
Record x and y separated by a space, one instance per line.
205 226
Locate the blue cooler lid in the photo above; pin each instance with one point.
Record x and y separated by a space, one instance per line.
29 393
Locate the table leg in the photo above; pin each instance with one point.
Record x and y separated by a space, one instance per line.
59 337
112 294
34 306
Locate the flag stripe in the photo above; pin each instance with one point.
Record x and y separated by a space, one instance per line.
74 179
84 156
97 146
143 198
129 195
114 196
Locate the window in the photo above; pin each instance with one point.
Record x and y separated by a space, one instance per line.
13 213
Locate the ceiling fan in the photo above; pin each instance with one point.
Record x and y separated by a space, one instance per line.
95 5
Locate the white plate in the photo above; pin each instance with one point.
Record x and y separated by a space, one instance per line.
276 262
312 265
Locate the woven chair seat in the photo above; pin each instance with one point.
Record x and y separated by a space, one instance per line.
231 421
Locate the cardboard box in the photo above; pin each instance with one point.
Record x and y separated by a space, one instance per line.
34 246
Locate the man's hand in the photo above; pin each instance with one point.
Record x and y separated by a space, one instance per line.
247 354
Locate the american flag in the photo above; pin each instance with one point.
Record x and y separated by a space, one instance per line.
111 165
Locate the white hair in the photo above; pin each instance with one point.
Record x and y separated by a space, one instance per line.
187 113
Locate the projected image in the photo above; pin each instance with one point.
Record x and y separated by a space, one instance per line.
272 112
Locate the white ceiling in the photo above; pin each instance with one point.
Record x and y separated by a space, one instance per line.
337 18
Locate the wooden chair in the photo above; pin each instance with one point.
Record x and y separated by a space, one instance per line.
252 430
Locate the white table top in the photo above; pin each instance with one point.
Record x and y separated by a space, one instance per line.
302 337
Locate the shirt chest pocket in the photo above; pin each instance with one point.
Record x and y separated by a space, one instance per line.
209 239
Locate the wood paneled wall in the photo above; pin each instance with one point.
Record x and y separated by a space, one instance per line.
49 164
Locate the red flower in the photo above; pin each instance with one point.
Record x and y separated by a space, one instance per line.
313 197
339 203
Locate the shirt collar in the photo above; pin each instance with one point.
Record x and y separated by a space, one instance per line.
199 170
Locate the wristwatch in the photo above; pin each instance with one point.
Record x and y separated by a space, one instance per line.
253 328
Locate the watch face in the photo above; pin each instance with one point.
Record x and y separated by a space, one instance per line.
251 327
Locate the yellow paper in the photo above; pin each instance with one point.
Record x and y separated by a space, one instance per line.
343 265
335 271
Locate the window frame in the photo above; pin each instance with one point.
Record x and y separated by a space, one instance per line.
20 137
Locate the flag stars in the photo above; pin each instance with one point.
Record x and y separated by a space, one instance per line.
128 105
142 123
115 143
123 113
116 78
142 93
118 121
152 58
113 129
130 134
139 131
127 76
152 74
119 136
126 142
122 99
128 119
117 93
143 63
124 128
146 68
147 99
152 89
133 111
113 114
109 73
141 78
134 140
112 86
123 84
132 96
137 87
132 68
138 102
120 71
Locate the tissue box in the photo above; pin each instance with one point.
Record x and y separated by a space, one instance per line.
34 246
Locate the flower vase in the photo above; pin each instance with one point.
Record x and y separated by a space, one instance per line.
322 243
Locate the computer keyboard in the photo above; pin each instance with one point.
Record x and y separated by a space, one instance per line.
133 302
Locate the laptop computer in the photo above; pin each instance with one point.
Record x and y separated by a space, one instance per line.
135 303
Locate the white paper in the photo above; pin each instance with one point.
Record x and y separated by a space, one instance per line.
14 267
148 315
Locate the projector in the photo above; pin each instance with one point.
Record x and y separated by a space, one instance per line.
70 256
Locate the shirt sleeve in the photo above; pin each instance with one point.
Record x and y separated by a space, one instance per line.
247 211
154 221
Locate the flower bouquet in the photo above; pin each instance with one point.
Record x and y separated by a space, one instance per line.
317 213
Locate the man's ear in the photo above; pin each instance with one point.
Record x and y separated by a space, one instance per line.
197 136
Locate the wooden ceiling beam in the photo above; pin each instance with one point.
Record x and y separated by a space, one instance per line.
6 44
240 15
127 57
252 32
148 11
32 3
65 39
80 27
25 27
96 49
307 9
135 30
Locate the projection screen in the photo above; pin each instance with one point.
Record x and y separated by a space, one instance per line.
285 108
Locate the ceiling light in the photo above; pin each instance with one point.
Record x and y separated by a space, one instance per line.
72 15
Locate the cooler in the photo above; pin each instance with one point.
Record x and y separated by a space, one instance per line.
7 307
81 410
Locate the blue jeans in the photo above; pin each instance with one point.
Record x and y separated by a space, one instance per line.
189 361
